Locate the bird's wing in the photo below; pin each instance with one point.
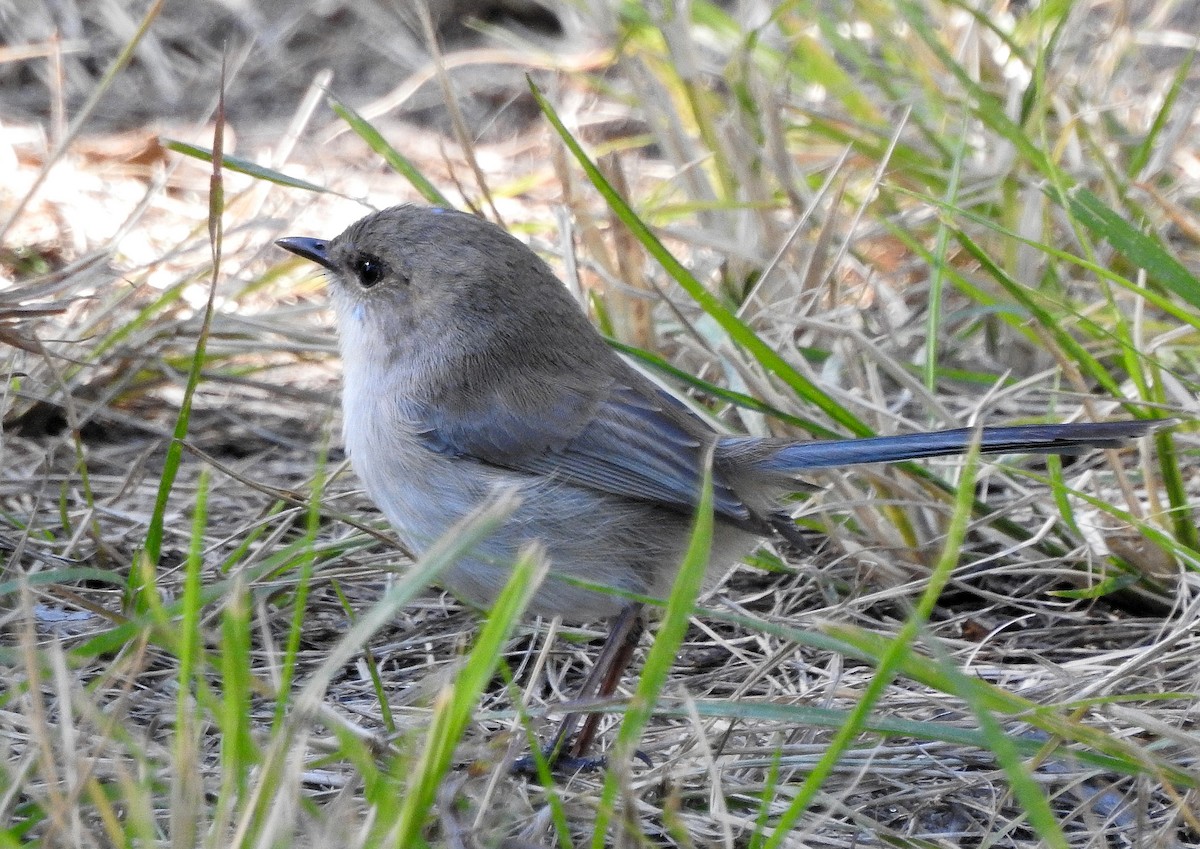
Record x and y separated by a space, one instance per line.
635 441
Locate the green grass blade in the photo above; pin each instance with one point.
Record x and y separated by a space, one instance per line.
726 318
395 159
662 654
455 704
893 660
1140 249
152 546
186 790
239 755
1008 754
245 166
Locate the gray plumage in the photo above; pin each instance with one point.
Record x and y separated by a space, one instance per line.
468 367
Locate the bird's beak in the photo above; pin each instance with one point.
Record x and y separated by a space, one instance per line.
315 249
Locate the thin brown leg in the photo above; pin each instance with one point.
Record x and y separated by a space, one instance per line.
601 682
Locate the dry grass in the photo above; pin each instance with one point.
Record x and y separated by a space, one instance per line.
107 269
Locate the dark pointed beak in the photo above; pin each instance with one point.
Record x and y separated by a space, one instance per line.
315 249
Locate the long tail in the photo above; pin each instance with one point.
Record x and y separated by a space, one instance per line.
1027 439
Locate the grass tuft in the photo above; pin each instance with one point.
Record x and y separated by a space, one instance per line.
826 220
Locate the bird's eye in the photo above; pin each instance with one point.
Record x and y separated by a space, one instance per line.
369 270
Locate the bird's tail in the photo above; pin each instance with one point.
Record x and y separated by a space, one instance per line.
1027 439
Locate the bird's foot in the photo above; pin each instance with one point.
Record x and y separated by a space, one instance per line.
560 763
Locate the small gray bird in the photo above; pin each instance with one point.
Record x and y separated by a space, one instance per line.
469 368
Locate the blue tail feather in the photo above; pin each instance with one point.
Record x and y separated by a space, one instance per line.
1025 439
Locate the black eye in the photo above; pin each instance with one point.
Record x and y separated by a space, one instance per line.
369 270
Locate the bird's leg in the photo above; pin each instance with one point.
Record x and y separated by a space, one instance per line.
614 659
601 682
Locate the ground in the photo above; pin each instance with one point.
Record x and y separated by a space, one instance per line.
857 197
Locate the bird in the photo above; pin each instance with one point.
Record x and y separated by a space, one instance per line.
469 369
